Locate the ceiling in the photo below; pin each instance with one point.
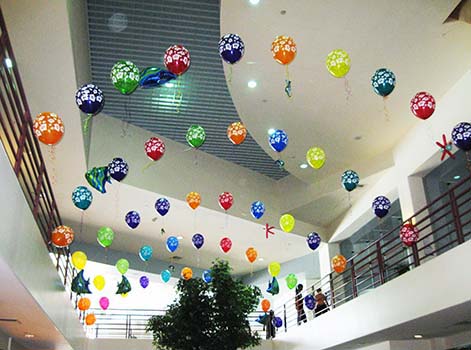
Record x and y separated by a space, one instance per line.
150 28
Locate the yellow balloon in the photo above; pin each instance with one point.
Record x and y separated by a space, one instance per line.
79 259
99 282
338 63
287 222
274 268
315 157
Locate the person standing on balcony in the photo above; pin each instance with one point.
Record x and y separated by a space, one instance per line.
321 303
270 331
298 302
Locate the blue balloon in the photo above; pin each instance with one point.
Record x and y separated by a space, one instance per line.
278 140
144 281
145 253
257 209
313 240
172 244
165 275
197 240
381 206
162 205
89 98
82 197
383 81
350 180
118 169
277 322
153 77
461 136
207 276
133 219
310 302
231 48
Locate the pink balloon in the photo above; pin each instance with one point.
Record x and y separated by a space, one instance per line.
104 303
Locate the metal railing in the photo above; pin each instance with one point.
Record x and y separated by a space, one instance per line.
443 224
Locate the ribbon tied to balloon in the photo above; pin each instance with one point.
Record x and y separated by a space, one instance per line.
177 60
231 50
90 100
338 64
284 51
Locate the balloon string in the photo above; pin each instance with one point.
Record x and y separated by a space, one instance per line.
348 90
194 220
385 109
86 122
52 157
178 95
468 161
229 76
127 115
106 255
148 165
288 90
81 222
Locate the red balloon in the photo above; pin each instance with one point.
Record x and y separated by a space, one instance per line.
155 148
225 200
225 244
422 105
409 234
177 59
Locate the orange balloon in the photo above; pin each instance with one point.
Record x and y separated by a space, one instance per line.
62 236
339 263
251 254
48 128
193 199
283 49
265 305
187 273
90 319
236 132
83 304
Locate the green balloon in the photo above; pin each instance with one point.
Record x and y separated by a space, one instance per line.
122 265
105 236
195 136
291 280
125 77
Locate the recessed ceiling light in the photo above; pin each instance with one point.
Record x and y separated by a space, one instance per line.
29 335
252 84
8 62
254 2
418 336
357 138
169 85
271 131
283 12
456 177
250 62
180 237
260 259
303 166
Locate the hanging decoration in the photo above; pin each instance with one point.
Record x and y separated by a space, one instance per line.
172 244
84 304
177 59
145 253
409 234
162 206
383 82
90 319
277 322
315 157
82 197
284 51
193 199
274 268
79 260
257 209
381 206
187 273
154 77
125 77
262 319
236 133
118 169
98 177
122 265
422 105
278 140
133 219
339 263
251 254
309 301
90 100
99 282
144 281
79 284
350 180
206 276
225 244
197 240
104 303
461 136
446 148
124 286
338 63
273 287
231 48
226 200
287 222
269 230
154 148
48 128
265 305
105 236
165 275
291 281
313 240
195 136
62 236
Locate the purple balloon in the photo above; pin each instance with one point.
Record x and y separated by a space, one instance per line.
144 281
381 206
133 219
310 302
277 322
198 240
118 169
162 205
313 240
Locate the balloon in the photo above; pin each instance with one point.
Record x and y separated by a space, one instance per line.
265 305
124 287
274 268
262 319
162 205
225 244
197 240
381 206
125 77
277 322
273 287
195 136
231 48
84 304
338 63
80 284
153 77
177 59
98 177
79 259
257 209
291 280
422 105
278 140
118 169
133 219
105 236
104 303
145 253
154 148
251 254
82 197
350 180
99 282
339 263
187 273
165 275
461 136
315 157
283 49
90 319
207 276
48 128
409 234
193 199
144 281
287 222
172 244
122 265
236 132
225 200
62 236
89 98
313 240
309 301
383 82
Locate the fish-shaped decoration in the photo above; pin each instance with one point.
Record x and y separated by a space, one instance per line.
152 77
124 286
98 177
80 284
